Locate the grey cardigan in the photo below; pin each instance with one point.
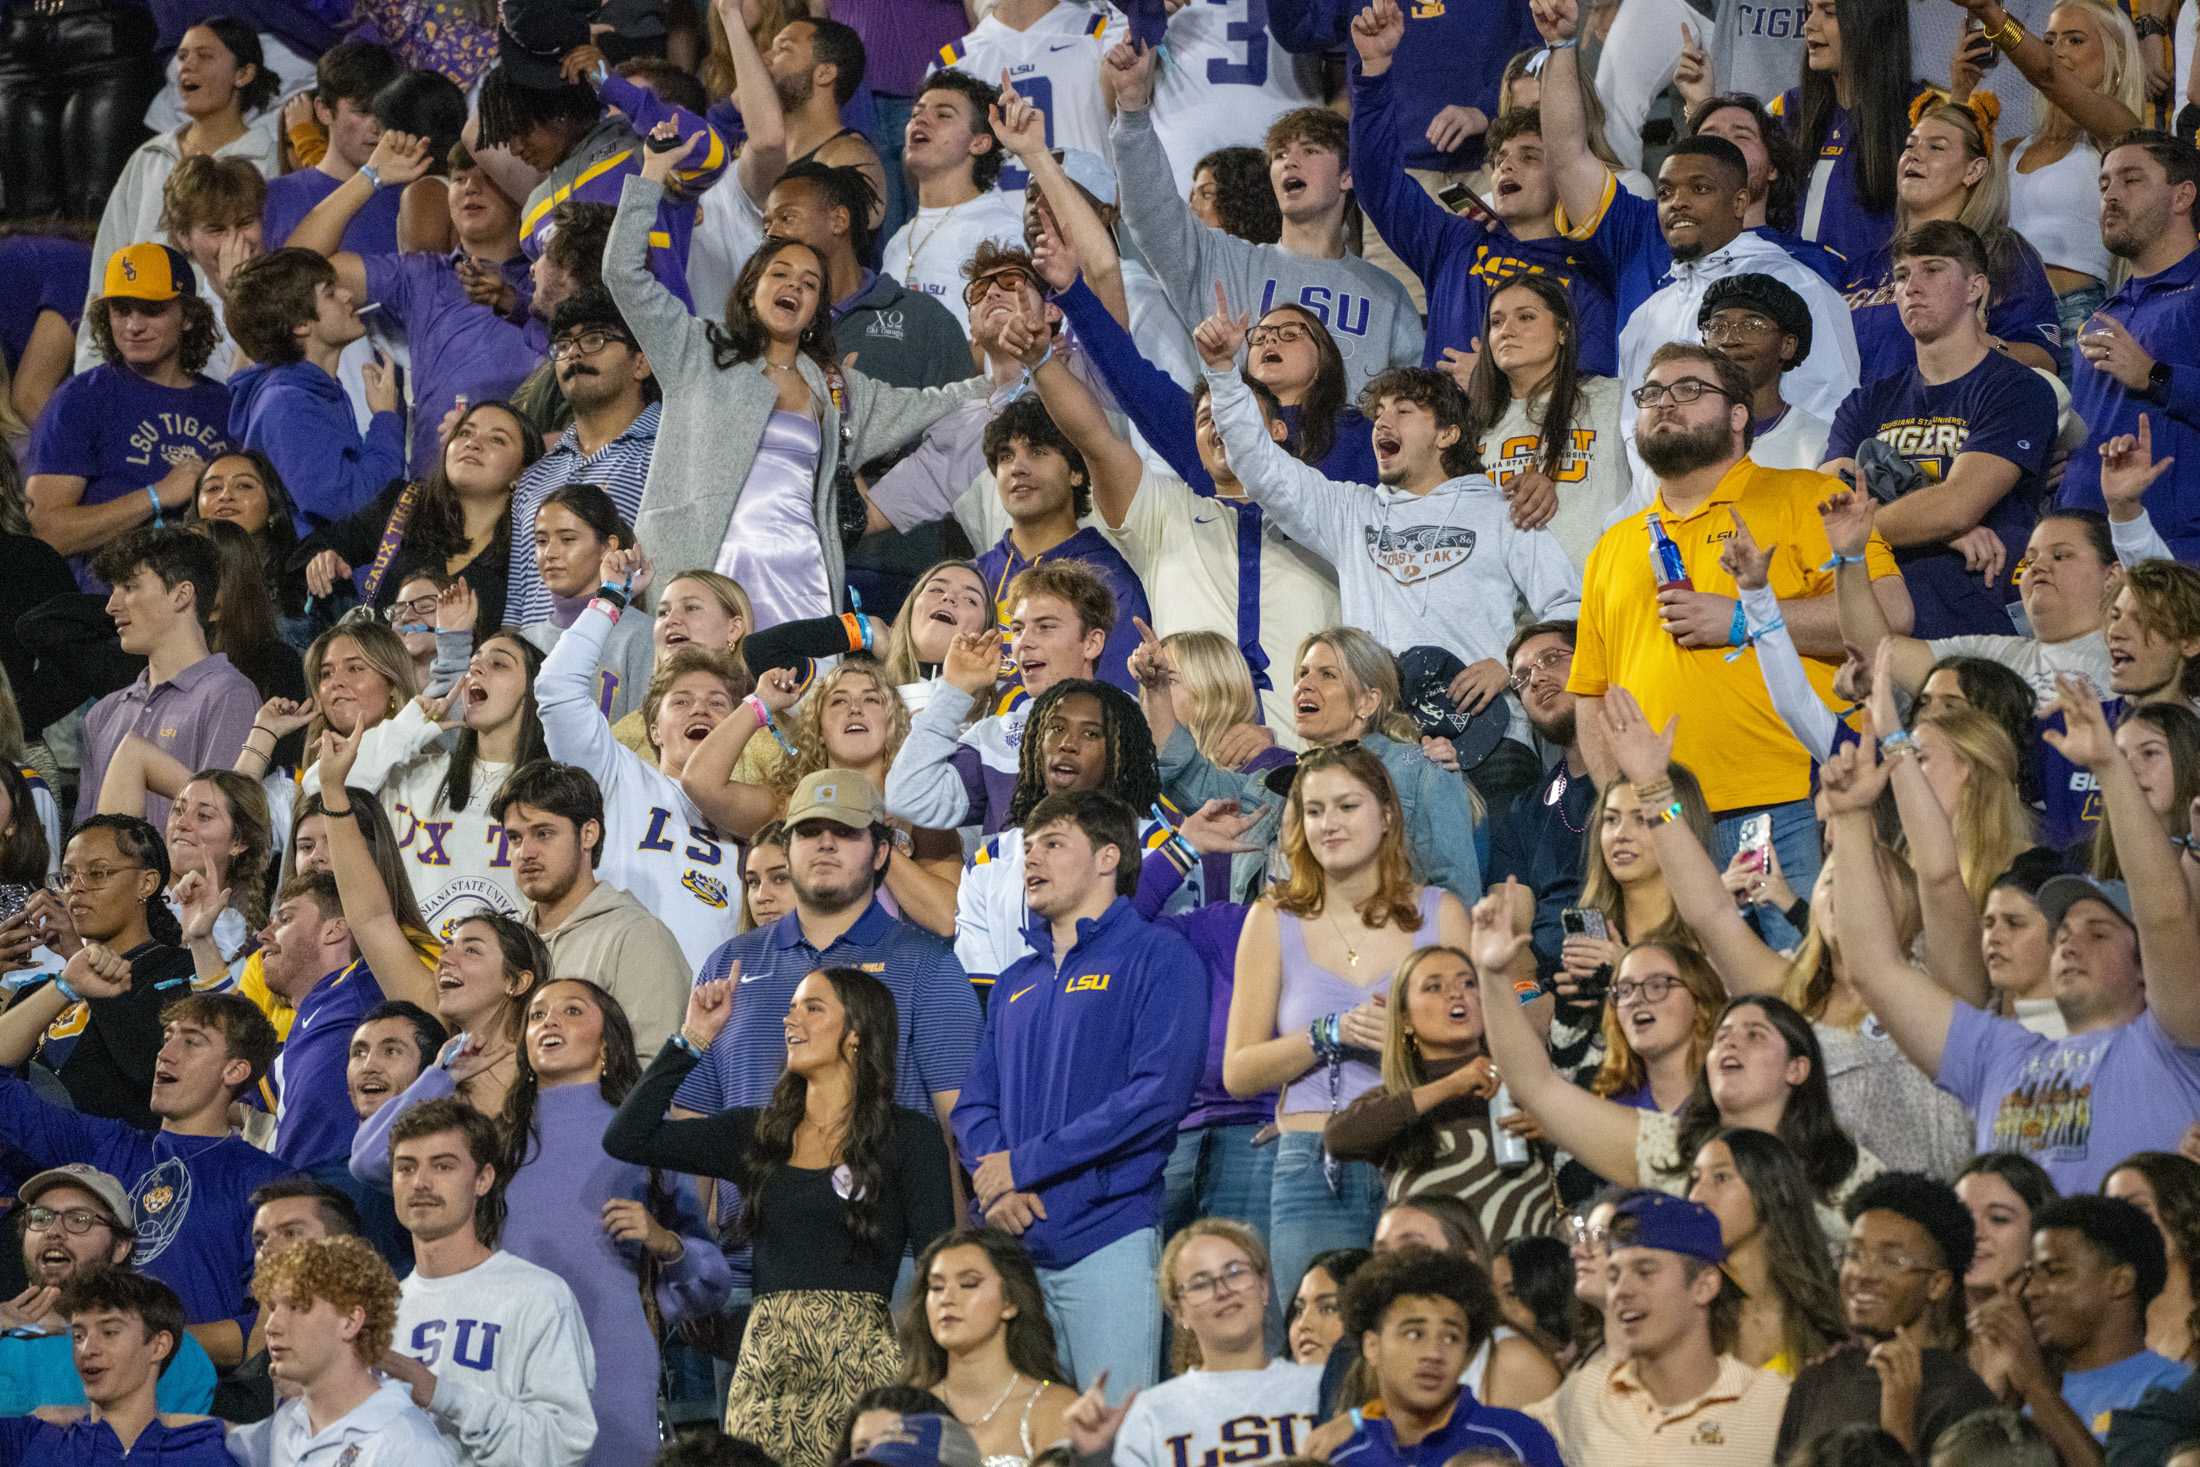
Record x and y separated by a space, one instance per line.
715 417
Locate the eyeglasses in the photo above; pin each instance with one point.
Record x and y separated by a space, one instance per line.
1685 391
1652 989
583 344
1547 662
76 1220
1235 1276
68 878
1282 334
1745 327
1011 281
1879 1260
1587 1238
420 608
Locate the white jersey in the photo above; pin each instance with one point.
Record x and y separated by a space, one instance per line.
385 1430
456 859
512 1361
1206 1417
1055 63
929 252
1223 79
656 844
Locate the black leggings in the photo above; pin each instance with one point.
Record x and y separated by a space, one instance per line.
73 92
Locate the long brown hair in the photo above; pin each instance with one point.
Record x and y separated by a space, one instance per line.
1623 1069
438 530
1601 893
1489 390
742 338
1030 1334
1396 900
252 829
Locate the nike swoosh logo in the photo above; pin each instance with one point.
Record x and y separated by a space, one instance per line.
748 978
1019 993
1063 46
1199 519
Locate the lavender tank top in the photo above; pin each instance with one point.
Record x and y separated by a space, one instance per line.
1310 990
771 545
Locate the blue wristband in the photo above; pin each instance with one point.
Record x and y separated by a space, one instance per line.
61 986
1738 634
1840 560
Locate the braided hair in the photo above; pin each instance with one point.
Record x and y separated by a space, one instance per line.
1133 772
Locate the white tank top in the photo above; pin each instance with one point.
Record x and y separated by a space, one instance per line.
1476 1376
2058 208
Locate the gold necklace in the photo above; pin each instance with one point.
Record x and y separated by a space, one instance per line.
916 245
1351 953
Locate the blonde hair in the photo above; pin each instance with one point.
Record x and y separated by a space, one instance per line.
2123 77
902 666
1993 823
383 650
1372 670
1601 893
810 754
1402 1066
1220 681
1396 899
727 592
1623 1069
1985 209
1809 984
1185 1352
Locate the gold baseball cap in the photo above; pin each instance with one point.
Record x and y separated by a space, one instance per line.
843 796
149 272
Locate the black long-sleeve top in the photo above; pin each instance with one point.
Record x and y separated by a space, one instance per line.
802 1239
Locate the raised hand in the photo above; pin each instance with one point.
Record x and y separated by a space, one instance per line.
456 607
1692 73
580 64
1222 335
1852 779
779 689
283 717
1018 122
973 661
1149 661
626 566
1053 255
1092 1423
1749 563
338 754
658 166
399 158
202 899
710 1005
1886 713
1376 34
1555 20
1848 517
1127 74
2085 738
1450 128
1644 754
2128 470
1496 940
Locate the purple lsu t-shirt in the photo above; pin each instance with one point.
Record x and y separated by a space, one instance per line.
314 1120
120 434
2077 1106
372 231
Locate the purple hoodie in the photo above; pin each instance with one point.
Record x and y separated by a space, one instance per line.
298 416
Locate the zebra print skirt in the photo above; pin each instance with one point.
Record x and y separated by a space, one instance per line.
807 1354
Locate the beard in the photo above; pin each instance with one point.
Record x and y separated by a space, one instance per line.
793 91
1685 450
829 899
2138 228
1558 729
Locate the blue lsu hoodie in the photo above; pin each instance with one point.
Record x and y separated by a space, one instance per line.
1083 1075
26 1441
298 416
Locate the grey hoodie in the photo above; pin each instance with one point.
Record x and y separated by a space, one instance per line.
614 942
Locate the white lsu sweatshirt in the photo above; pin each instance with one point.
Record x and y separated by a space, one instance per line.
512 1360
1205 1418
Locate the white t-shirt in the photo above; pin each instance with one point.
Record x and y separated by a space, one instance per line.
2037 662
1223 80
512 1360
1797 441
1174 538
1241 1417
1055 63
929 252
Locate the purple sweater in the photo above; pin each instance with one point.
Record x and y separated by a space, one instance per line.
554 1219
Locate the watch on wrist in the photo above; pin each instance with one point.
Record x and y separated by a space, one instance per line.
2158 380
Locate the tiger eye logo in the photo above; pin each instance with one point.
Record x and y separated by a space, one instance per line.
710 890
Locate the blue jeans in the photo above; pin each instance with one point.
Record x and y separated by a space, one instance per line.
1795 837
1107 1313
893 120
1306 1217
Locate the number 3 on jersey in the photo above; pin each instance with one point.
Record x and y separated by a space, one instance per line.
1039 92
1253 33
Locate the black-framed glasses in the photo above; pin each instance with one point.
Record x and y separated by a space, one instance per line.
91 878
583 344
1685 391
1283 333
420 608
76 1221
1652 989
1232 1278
1546 662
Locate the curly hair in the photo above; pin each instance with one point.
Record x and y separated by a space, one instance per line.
1434 391
345 1272
870 1019
982 95
193 352
206 191
743 337
808 731
1396 900
1132 770
1245 201
1027 421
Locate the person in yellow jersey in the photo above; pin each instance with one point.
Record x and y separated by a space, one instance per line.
1676 636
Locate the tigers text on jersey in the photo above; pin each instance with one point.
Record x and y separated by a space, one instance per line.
1054 62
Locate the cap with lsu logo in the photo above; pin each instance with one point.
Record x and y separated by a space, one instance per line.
149 272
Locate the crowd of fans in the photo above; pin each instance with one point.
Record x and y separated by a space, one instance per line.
1038 733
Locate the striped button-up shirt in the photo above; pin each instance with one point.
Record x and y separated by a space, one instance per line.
619 468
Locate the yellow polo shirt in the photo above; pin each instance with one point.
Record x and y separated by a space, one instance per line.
1728 734
1602 1414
